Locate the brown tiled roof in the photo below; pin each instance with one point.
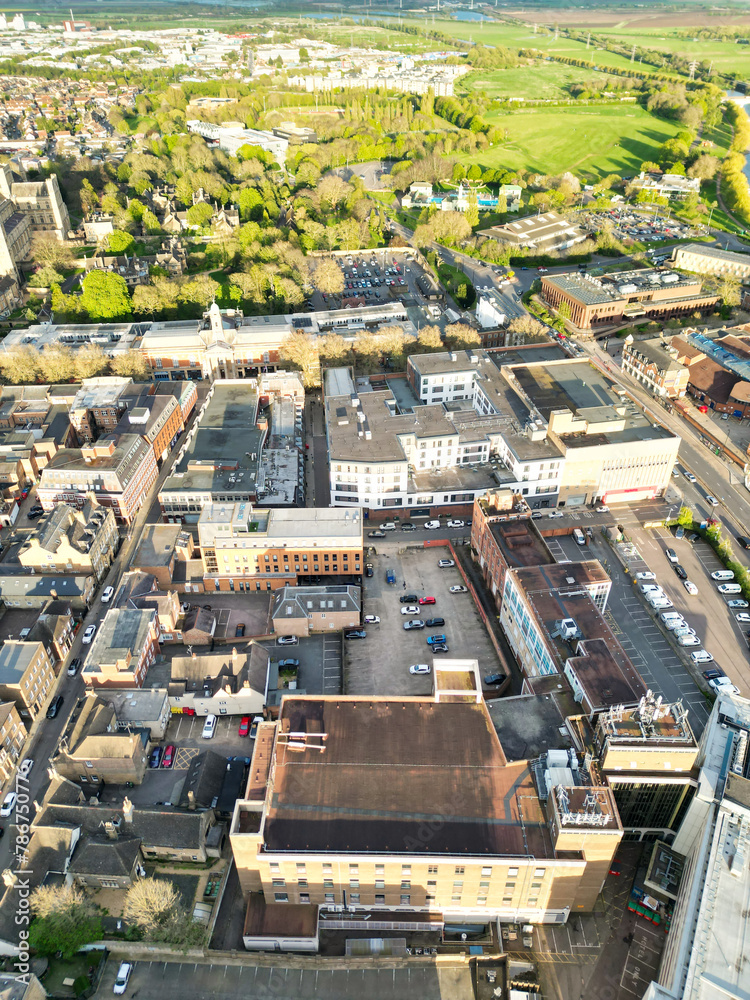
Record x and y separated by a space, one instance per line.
706 376
398 776
272 919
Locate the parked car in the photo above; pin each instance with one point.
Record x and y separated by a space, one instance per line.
701 656
209 727
155 757
9 804
435 623
690 587
723 684
435 640
743 617
408 599
123 975
440 648
456 523
88 635
458 588
712 673
680 571
244 727
415 623
494 678
410 609
25 766
408 526
690 639
555 513
74 666
376 534
108 594
55 706
432 525
290 663
287 640
536 515
679 532
419 668
672 556
738 602
257 719
355 633
445 563
239 630
368 569
427 600
372 620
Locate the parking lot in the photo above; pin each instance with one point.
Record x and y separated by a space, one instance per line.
319 662
380 663
646 228
372 278
295 977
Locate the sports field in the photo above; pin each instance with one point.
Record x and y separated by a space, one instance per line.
547 81
592 142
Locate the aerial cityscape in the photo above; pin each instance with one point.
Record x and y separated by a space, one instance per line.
375 512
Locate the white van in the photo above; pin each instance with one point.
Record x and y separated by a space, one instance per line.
722 574
579 536
209 727
729 588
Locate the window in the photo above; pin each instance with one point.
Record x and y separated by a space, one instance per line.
432 870
279 883
354 883
302 883
304 897
379 899
510 885
328 883
486 872
353 897
405 900
540 873
330 897
460 869
281 897
379 883
512 872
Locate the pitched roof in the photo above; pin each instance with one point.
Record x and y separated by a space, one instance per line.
105 856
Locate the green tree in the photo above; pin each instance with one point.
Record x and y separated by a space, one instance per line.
200 214
65 932
459 172
685 517
105 297
120 242
474 173
472 212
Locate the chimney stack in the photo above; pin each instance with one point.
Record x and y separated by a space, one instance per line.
127 810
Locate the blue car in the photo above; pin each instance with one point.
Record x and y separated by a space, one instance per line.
435 640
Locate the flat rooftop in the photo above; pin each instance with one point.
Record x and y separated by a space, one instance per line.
529 725
223 452
122 633
365 774
605 673
520 544
274 526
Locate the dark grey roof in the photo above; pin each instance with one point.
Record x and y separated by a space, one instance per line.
105 857
204 779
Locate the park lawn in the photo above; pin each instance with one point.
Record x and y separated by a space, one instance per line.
546 81
592 141
726 56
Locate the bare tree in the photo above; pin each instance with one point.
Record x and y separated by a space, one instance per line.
328 276
334 190
58 364
132 364
20 365
301 350
90 361
528 328
48 899
431 338
461 335
50 252
150 902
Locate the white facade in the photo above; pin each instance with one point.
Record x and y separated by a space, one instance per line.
232 138
490 312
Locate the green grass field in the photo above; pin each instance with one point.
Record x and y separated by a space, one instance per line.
548 81
592 142
727 57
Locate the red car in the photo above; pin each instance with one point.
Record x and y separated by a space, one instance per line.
168 758
426 600
244 725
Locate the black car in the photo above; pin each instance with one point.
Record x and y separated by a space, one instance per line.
356 633
680 571
33 515
290 663
368 569
744 542
434 623
408 526
55 706
155 758
74 666
494 678
239 631
408 598
440 648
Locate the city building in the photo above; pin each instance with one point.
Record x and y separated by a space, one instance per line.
26 676
72 540
18 589
101 403
710 260
667 185
139 709
302 610
504 537
15 239
245 548
161 548
232 137
56 628
705 951
542 232
323 820
221 459
158 420
119 471
624 297
93 748
124 647
221 683
648 754
40 201
13 735
491 311
654 363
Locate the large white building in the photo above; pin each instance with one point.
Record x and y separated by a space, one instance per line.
230 138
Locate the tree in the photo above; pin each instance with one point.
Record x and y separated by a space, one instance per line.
527 328
200 214
105 297
66 931
90 361
20 365
131 364
460 335
328 276
430 338
333 190
48 899
472 212
301 350
334 348
150 902
49 252
120 242
729 290
685 517
704 168
58 364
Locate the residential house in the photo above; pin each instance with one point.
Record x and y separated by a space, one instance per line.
20 590
93 749
302 610
26 676
139 709
55 627
221 683
654 363
72 540
106 862
13 735
124 647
